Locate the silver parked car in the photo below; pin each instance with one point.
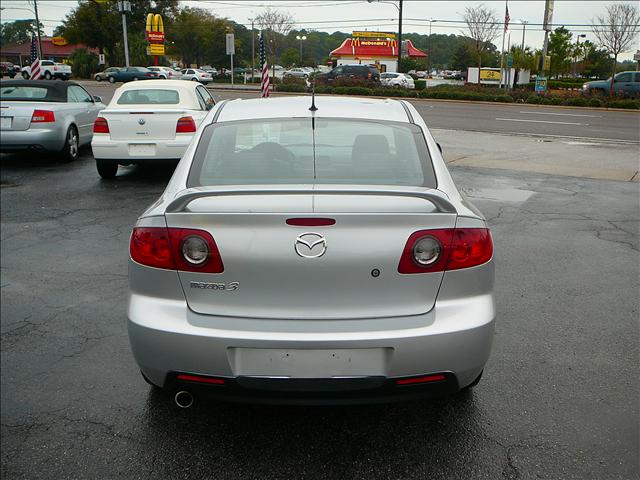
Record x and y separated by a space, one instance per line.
311 254
46 115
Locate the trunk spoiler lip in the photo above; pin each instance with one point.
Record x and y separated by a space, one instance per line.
438 198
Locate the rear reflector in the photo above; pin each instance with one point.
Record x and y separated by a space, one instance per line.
459 248
200 379
100 125
310 222
162 247
43 116
417 380
185 125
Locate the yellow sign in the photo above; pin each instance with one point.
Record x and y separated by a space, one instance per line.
59 41
154 23
156 49
490 75
373 34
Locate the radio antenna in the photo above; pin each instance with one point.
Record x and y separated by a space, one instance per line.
313 107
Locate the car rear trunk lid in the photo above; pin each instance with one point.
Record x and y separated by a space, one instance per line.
278 276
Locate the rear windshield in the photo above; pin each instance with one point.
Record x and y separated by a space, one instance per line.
149 97
28 93
291 151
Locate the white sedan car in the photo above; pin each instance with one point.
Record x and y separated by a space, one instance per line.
147 121
166 73
393 79
196 75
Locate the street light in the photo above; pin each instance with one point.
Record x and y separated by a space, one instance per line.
399 7
431 20
302 39
577 52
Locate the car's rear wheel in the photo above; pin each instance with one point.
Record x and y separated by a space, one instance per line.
98 78
112 80
107 168
47 75
194 79
25 75
71 149
135 79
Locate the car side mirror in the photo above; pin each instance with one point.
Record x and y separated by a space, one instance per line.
439 147
97 99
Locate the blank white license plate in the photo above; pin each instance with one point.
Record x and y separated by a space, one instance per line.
142 150
5 122
298 363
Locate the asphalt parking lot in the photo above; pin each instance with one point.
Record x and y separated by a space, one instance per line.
559 398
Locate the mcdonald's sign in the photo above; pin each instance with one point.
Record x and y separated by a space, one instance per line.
154 28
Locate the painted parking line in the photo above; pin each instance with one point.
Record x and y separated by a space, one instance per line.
562 114
539 121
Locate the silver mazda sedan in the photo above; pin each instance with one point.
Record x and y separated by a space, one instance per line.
311 252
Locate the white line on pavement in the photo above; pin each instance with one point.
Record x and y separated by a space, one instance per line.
539 121
563 114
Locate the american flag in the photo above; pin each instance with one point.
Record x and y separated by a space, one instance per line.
506 16
264 83
35 61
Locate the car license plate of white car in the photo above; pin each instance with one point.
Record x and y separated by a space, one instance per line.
303 363
5 122
142 149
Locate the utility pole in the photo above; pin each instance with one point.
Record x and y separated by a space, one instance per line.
124 6
35 10
399 33
547 26
524 29
253 51
431 20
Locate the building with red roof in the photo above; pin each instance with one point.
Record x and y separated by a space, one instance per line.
374 48
53 48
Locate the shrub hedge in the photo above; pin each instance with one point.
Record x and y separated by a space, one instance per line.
450 92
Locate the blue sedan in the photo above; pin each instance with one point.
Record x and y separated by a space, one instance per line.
129 74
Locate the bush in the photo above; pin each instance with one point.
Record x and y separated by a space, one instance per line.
352 91
576 102
420 84
83 63
629 104
291 87
595 102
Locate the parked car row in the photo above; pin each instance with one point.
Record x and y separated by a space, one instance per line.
131 74
8 69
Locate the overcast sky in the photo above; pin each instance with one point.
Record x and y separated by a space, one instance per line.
348 15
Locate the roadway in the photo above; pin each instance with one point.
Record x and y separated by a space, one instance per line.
519 119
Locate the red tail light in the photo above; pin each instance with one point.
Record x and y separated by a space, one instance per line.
43 116
100 125
446 249
419 380
185 125
184 249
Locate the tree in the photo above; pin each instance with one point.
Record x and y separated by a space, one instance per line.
561 50
275 25
290 56
17 32
616 31
484 28
99 24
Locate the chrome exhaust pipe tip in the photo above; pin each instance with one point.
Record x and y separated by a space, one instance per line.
183 399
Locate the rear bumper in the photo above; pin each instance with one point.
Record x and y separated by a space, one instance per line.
315 391
106 149
454 337
31 139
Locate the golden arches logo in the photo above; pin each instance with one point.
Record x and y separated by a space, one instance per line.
154 23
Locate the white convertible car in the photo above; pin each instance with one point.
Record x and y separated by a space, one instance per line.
147 121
